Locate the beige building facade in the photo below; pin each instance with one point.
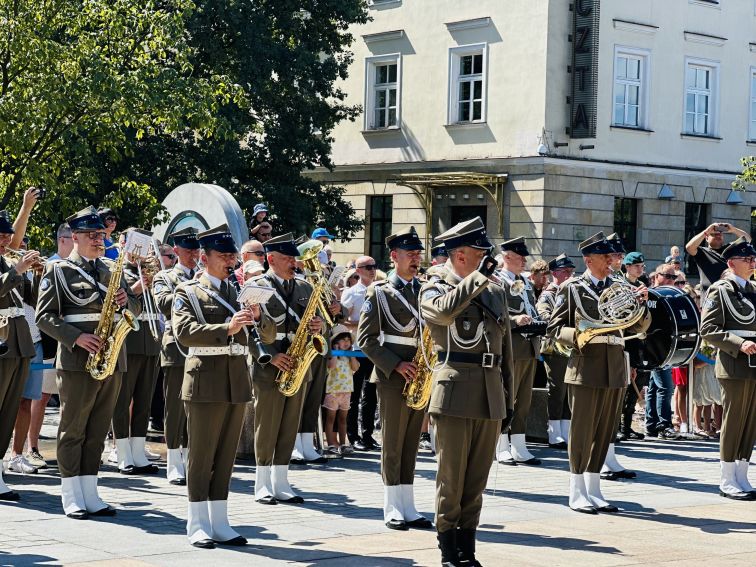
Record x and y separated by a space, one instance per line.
552 119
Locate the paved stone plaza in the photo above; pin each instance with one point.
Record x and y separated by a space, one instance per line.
672 515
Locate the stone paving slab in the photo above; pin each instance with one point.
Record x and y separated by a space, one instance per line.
671 515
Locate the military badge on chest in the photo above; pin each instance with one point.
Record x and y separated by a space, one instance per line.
466 325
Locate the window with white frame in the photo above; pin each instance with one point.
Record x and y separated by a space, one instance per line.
382 92
467 84
630 88
752 123
701 93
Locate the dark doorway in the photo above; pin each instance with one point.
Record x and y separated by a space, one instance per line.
467 212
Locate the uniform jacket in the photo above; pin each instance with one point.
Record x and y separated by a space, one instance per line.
274 313
523 348
376 322
730 308
141 342
545 307
163 290
62 281
598 365
16 333
452 309
211 378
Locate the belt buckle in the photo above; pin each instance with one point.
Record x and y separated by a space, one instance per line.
236 349
488 360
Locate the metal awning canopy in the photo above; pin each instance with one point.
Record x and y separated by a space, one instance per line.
424 184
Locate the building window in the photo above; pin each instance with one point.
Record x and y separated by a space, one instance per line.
467 86
696 220
382 92
381 209
701 88
630 87
626 221
752 123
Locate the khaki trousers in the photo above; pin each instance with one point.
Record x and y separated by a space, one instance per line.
594 426
276 423
556 366
13 374
175 415
214 431
464 449
314 395
522 386
138 385
86 409
738 419
400 436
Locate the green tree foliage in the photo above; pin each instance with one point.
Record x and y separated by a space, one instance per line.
79 81
748 177
287 62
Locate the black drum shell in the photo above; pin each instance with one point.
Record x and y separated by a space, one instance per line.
673 338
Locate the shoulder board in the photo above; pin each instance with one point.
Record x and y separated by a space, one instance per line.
108 262
256 279
380 282
724 283
572 280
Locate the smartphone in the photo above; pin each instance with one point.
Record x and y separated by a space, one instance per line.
41 193
722 227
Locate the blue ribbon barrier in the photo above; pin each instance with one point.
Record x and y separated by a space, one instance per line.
351 353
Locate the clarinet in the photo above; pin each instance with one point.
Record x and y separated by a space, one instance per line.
263 356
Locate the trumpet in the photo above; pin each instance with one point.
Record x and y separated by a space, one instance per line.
13 255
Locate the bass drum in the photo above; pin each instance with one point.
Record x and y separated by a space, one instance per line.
673 338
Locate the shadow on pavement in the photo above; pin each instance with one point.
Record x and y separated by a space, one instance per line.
24 559
539 540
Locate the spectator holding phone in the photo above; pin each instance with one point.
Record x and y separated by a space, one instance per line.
709 258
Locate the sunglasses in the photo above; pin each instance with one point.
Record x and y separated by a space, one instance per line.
256 253
749 259
169 256
369 266
111 219
94 235
680 282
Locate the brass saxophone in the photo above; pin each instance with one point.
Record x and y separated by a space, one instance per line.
102 364
308 254
417 392
304 348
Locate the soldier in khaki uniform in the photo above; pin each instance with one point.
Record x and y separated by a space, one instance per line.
16 345
172 355
525 348
561 269
132 411
388 334
277 416
208 322
467 316
596 376
728 322
69 310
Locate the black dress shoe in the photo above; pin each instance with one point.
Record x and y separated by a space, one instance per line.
178 482
238 541
204 544
397 525
586 510
106 511
624 473
292 500
297 462
371 444
146 469
360 446
561 445
609 509
743 496
510 462
420 523
10 496
611 475
270 500
128 470
78 515
532 462
318 461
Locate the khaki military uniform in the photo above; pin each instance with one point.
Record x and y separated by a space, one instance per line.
468 318
171 358
277 416
388 334
596 376
728 320
138 384
555 363
70 304
15 289
525 350
216 384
